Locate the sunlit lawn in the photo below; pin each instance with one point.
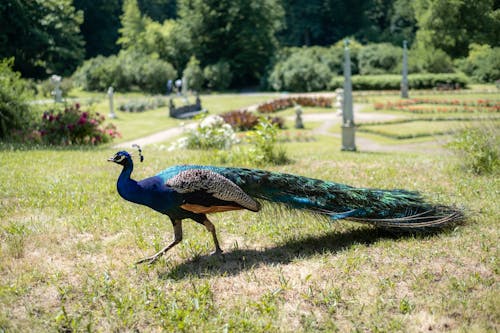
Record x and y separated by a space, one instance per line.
68 243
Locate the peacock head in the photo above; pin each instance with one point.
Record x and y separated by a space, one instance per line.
122 158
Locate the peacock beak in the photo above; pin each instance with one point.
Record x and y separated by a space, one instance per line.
112 159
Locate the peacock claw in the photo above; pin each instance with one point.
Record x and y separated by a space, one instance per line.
149 260
219 254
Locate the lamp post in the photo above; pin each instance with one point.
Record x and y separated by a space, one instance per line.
348 128
404 80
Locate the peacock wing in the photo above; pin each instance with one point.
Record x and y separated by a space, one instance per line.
206 191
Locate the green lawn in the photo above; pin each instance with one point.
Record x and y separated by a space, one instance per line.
417 128
68 243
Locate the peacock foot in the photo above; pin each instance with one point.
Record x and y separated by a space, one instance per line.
149 260
218 254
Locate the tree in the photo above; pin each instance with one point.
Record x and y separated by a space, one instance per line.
193 75
43 36
322 22
159 10
451 25
133 25
101 21
238 32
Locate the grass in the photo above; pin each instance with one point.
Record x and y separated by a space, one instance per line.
68 243
414 129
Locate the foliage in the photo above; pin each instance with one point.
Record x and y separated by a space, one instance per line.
133 25
383 58
210 133
430 60
46 87
288 102
482 64
242 120
393 82
414 105
159 10
264 140
42 35
142 105
126 71
238 32
299 73
73 126
218 76
101 21
478 148
15 112
451 26
193 74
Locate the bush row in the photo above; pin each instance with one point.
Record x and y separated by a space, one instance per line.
244 120
393 82
15 112
288 102
142 105
125 71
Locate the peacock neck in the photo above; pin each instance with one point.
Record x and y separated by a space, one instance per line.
127 187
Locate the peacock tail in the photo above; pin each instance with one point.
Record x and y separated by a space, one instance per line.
383 208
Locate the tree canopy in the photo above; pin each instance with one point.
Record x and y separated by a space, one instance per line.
239 37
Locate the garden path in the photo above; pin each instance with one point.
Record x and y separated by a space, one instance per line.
329 120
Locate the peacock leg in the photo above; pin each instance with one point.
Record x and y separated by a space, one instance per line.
210 227
177 239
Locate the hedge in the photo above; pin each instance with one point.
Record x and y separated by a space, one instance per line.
393 82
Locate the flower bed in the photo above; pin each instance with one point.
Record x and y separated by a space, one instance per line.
288 102
424 105
244 120
142 105
74 126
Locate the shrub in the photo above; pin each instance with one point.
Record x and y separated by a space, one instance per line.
193 74
482 63
430 60
383 58
300 72
73 126
46 87
143 105
218 76
127 71
241 119
393 82
288 102
478 148
211 133
153 74
244 120
15 112
264 140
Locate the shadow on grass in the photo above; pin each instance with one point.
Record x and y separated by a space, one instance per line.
238 260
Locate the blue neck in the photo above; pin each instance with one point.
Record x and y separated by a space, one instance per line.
127 187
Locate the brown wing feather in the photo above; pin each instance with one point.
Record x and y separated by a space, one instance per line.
214 184
199 209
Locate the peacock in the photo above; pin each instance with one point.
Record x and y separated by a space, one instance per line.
193 191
